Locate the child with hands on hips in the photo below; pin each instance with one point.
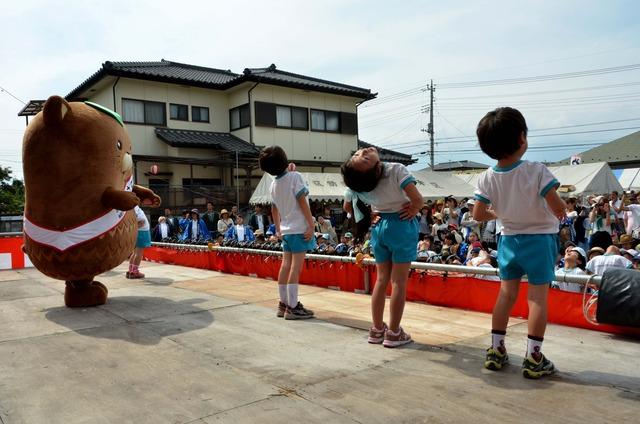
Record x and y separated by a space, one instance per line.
391 191
523 196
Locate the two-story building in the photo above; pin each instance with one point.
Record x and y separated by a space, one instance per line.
197 131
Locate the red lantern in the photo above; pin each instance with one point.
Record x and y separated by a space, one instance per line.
154 169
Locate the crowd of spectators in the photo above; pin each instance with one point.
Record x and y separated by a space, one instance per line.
597 233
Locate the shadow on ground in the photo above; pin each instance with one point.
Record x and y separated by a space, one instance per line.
135 319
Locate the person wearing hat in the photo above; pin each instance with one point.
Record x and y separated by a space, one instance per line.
469 225
594 251
196 229
632 211
225 222
574 263
346 243
626 241
438 225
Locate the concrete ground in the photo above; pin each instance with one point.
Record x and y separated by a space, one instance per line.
193 346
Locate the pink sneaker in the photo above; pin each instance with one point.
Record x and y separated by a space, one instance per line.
400 338
376 336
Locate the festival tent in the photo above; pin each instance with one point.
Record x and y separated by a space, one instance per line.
329 186
630 179
438 184
322 186
587 178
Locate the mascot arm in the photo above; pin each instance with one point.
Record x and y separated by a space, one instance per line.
149 198
119 199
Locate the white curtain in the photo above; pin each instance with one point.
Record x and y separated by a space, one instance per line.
133 111
283 116
317 120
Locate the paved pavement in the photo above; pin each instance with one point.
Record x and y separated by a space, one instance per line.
193 346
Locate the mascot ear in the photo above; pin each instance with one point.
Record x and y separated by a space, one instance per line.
55 109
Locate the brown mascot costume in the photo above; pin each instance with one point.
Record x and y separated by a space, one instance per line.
78 217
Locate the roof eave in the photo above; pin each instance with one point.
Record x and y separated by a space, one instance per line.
266 80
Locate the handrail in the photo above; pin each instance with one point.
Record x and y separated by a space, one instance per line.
578 279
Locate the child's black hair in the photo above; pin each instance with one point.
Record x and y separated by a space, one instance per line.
273 160
499 132
361 181
364 225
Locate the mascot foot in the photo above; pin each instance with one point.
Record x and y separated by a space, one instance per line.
80 294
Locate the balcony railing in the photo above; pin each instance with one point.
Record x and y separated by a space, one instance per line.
178 197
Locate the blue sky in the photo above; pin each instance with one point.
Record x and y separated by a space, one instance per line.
390 47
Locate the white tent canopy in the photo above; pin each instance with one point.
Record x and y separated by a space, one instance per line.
587 178
322 186
630 179
438 184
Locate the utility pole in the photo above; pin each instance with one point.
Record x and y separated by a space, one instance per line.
430 128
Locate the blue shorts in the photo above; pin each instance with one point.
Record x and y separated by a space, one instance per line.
295 243
144 238
394 239
533 255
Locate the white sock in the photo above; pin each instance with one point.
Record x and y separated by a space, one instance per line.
497 339
292 289
282 289
534 347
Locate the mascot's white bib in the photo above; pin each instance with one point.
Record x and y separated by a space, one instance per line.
63 240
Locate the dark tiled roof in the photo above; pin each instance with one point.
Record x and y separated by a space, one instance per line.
460 164
218 79
289 79
387 155
621 151
206 139
163 71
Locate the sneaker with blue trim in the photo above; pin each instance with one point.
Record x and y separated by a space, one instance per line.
536 369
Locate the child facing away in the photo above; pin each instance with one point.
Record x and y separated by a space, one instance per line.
523 196
391 191
294 224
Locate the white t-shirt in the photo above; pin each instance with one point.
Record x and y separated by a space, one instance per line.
141 217
240 232
633 217
286 189
517 196
194 229
601 263
164 230
389 195
572 287
617 205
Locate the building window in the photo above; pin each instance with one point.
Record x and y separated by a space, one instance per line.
292 117
179 112
239 117
144 112
324 120
199 114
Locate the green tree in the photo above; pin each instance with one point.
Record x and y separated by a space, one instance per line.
11 193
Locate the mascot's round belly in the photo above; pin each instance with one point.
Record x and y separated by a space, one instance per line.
79 262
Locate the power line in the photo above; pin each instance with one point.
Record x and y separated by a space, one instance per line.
2 89
531 148
540 78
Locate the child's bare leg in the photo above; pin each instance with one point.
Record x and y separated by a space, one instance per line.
399 276
296 265
506 299
537 300
283 276
378 297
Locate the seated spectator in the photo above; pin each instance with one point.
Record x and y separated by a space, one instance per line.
259 234
225 222
195 228
324 226
240 232
469 225
573 264
611 259
464 250
626 241
346 243
593 252
163 230
325 245
438 226
450 244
